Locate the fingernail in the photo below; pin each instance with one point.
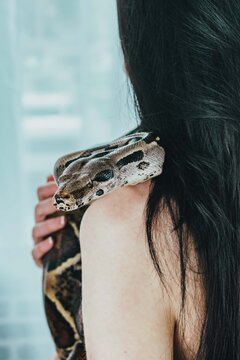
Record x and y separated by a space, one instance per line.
50 240
62 221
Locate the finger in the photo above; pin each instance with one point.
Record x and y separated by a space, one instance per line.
47 227
47 190
44 208
38 240
41 249
50 178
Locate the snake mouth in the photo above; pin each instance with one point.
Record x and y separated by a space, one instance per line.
64 207
64 202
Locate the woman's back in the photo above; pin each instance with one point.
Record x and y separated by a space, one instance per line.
154 304
189 321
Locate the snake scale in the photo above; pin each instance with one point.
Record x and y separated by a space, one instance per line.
83 177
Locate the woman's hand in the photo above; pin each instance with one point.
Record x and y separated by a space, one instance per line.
44 227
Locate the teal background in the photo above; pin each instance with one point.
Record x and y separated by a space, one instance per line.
62 88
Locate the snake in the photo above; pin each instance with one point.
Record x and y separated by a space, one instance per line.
82 178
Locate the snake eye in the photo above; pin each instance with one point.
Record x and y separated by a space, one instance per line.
63 178
104 175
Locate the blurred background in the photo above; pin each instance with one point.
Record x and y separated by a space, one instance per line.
62 89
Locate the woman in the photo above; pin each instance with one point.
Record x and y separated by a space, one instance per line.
178 294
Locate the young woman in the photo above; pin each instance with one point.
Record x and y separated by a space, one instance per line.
176 295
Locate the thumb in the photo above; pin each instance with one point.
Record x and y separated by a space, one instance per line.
50 178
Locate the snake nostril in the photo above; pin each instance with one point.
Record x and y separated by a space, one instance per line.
61 197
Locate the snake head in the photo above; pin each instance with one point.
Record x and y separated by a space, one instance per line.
80 185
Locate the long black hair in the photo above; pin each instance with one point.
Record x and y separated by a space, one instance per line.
183 61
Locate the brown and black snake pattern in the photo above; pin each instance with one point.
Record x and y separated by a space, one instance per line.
83 177
62 289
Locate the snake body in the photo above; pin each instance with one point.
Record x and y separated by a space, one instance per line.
82 177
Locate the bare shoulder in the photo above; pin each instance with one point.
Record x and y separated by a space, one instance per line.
121 215
115 224
121 205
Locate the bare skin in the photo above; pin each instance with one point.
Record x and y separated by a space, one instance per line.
133 315
130 305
